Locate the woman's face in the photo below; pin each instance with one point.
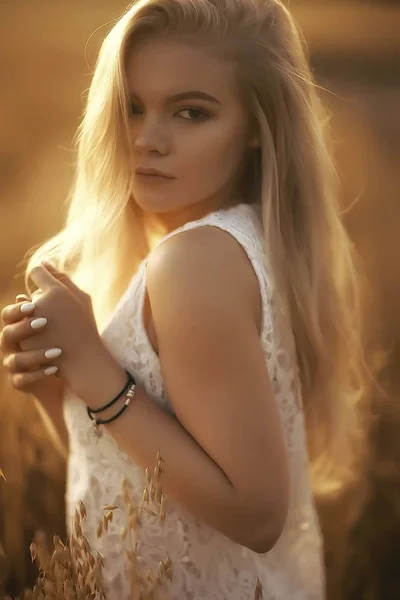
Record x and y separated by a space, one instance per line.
187 124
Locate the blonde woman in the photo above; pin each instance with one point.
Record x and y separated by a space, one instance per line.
203 304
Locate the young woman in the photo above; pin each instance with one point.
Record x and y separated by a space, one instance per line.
204 256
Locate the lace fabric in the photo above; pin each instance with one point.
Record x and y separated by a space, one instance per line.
206 564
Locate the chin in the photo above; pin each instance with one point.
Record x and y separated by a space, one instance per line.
157 204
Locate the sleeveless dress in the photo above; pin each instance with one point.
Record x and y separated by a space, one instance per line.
206 565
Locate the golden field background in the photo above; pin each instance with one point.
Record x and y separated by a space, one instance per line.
47 52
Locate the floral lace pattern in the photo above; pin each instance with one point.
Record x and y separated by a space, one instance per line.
206 564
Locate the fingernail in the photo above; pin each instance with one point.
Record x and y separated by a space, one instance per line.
27 307
22 297
51 370
53 353
37 323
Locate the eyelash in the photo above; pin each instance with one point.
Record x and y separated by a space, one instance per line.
203 113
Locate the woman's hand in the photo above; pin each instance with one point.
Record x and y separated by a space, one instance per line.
32 371
66 322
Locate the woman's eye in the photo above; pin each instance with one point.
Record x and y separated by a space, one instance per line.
192 114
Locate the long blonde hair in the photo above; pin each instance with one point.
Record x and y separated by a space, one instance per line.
309 251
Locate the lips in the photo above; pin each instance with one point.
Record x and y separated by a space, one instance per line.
147 172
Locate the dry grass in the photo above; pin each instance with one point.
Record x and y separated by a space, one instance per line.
73 571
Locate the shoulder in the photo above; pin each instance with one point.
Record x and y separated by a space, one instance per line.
203 266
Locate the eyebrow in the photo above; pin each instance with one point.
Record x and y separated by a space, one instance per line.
194 94
190 95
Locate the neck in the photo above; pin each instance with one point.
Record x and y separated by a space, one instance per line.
161 224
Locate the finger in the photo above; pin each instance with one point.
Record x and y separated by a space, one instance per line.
43 278
22 298
22 362
54 271
24 381
36 294
16 312
13 334
64 278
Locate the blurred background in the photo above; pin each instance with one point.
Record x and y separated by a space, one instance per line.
47 53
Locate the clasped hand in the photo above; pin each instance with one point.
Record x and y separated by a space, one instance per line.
60 319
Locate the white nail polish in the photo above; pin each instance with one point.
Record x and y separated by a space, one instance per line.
27 307
53 353
50 370
37 323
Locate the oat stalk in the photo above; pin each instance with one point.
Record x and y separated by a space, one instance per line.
72 571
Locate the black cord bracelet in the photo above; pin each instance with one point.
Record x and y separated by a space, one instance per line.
92 411
130 395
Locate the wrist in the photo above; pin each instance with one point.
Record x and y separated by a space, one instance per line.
99 381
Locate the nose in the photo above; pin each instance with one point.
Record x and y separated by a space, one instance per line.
150 136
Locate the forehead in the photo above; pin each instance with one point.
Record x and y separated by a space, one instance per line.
162 66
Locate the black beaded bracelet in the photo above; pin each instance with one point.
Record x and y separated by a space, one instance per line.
95 411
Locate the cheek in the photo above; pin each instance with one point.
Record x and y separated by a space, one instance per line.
212 155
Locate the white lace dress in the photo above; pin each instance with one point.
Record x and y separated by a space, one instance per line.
206 565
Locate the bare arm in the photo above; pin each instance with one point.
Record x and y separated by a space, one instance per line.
224 455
